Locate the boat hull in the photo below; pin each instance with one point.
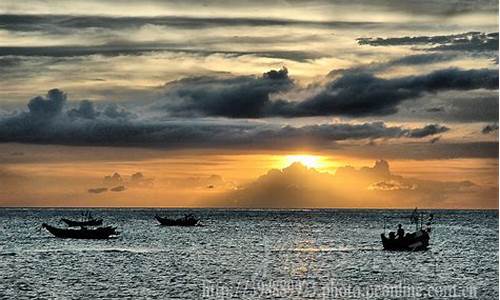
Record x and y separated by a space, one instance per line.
71 223
94 234
418 241
177 222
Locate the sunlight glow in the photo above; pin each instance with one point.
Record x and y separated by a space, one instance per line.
311 161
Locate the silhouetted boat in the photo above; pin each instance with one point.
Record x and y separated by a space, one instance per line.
415 241
82 233
188 220
90 222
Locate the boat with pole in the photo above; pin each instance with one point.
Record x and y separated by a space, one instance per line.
86 220
414 241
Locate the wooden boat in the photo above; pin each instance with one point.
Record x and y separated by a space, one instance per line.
82 233
188 220
90 222
416 241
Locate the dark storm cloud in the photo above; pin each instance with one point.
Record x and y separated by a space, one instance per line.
362 94
490 128
234 97
84 125
85 110
47 107
469 42
115 111
374 130
352 94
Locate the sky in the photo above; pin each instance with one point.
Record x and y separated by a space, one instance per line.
254 104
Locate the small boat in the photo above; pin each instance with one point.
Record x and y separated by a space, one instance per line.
99 233
188 220
90 222
415 241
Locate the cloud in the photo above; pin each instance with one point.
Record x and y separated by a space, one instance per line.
490 128
115 179
115 111
119 188
127 129
142 49
353 94
299 186
65 24
205 182
118 183
363 94
48 106
87 126
421 59
468 42
391 185
139 180
135 180
435 140
452 106
98 190
234 97
85 110
428 130
261 7
424 151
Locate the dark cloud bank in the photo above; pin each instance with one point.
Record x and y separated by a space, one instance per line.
47 122
352 93
169 122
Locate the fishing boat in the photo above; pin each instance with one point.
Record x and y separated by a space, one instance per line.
188 220
415 241
86 220
90 222
99 233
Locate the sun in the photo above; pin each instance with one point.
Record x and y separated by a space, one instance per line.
310 161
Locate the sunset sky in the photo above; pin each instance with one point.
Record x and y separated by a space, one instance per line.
249 103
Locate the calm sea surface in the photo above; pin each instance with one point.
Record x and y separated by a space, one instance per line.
306 254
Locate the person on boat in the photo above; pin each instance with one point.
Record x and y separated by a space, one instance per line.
401 232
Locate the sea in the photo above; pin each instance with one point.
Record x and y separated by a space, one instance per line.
249 254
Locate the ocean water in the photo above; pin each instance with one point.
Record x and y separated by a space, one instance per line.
278 254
